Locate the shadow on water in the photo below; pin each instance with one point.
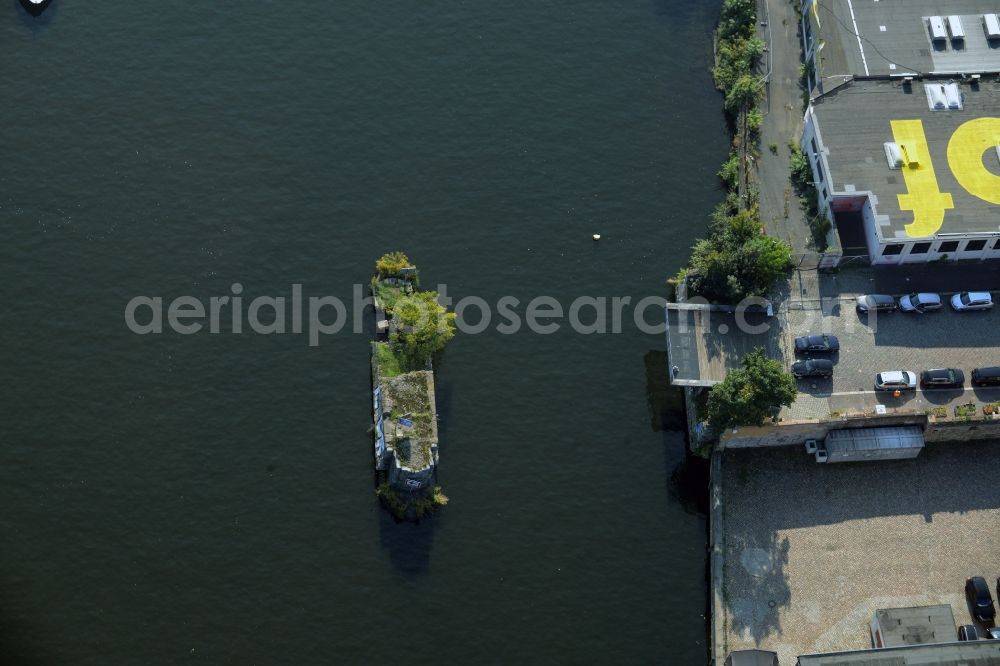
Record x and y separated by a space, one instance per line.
409 544
687 478
665 402
36 18
687 475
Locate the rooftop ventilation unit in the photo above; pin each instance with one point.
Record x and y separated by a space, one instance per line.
992 24
955 25
893 155
935 96
937 28
953 96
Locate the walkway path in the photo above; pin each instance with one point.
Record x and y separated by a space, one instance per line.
782 108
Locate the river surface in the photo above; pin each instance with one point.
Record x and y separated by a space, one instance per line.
208 498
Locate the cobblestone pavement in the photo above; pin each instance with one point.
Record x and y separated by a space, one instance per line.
821 303
811 551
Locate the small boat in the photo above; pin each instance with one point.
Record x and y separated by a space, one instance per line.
35 7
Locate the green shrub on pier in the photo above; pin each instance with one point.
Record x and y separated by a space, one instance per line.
391 264
737 260
749 395
422 328
738 19
417 506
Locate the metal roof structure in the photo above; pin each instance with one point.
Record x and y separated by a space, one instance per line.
872 439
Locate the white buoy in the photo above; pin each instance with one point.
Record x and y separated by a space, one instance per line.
597 237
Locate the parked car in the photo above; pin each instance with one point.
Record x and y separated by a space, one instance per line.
967 632
942 378
922 302
826 344
818 367
972 300
893 380
980 600
986 376
875 302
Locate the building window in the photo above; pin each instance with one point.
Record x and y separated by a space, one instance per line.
819 168
812 141
896 248
948 246
996 244
975 245
824 194
920 248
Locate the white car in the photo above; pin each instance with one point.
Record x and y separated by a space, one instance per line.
894 380
922 302
972 300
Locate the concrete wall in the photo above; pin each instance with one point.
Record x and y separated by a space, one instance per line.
796 433
962 431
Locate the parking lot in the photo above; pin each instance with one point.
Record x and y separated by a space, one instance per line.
889 341
811 551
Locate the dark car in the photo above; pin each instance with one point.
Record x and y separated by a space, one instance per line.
980 600
818 367
875 302
986 376
824 344
967 632
942 378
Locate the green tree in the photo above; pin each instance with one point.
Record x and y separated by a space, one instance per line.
391 263
802 175
735 58
730 171
745 92
748 395
422 327
738 19
737 260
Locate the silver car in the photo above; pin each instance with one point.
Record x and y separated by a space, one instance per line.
972 300
922 302
895 380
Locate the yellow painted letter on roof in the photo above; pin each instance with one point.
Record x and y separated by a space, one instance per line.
923 197
965 157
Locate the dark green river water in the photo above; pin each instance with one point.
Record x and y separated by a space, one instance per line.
208 498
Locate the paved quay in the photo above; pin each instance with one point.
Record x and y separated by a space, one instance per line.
887 341
811 551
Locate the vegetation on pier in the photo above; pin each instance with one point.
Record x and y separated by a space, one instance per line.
403 507
750 394
738 259
421 327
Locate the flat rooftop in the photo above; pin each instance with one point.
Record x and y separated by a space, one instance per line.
857 119
893 37
916 625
